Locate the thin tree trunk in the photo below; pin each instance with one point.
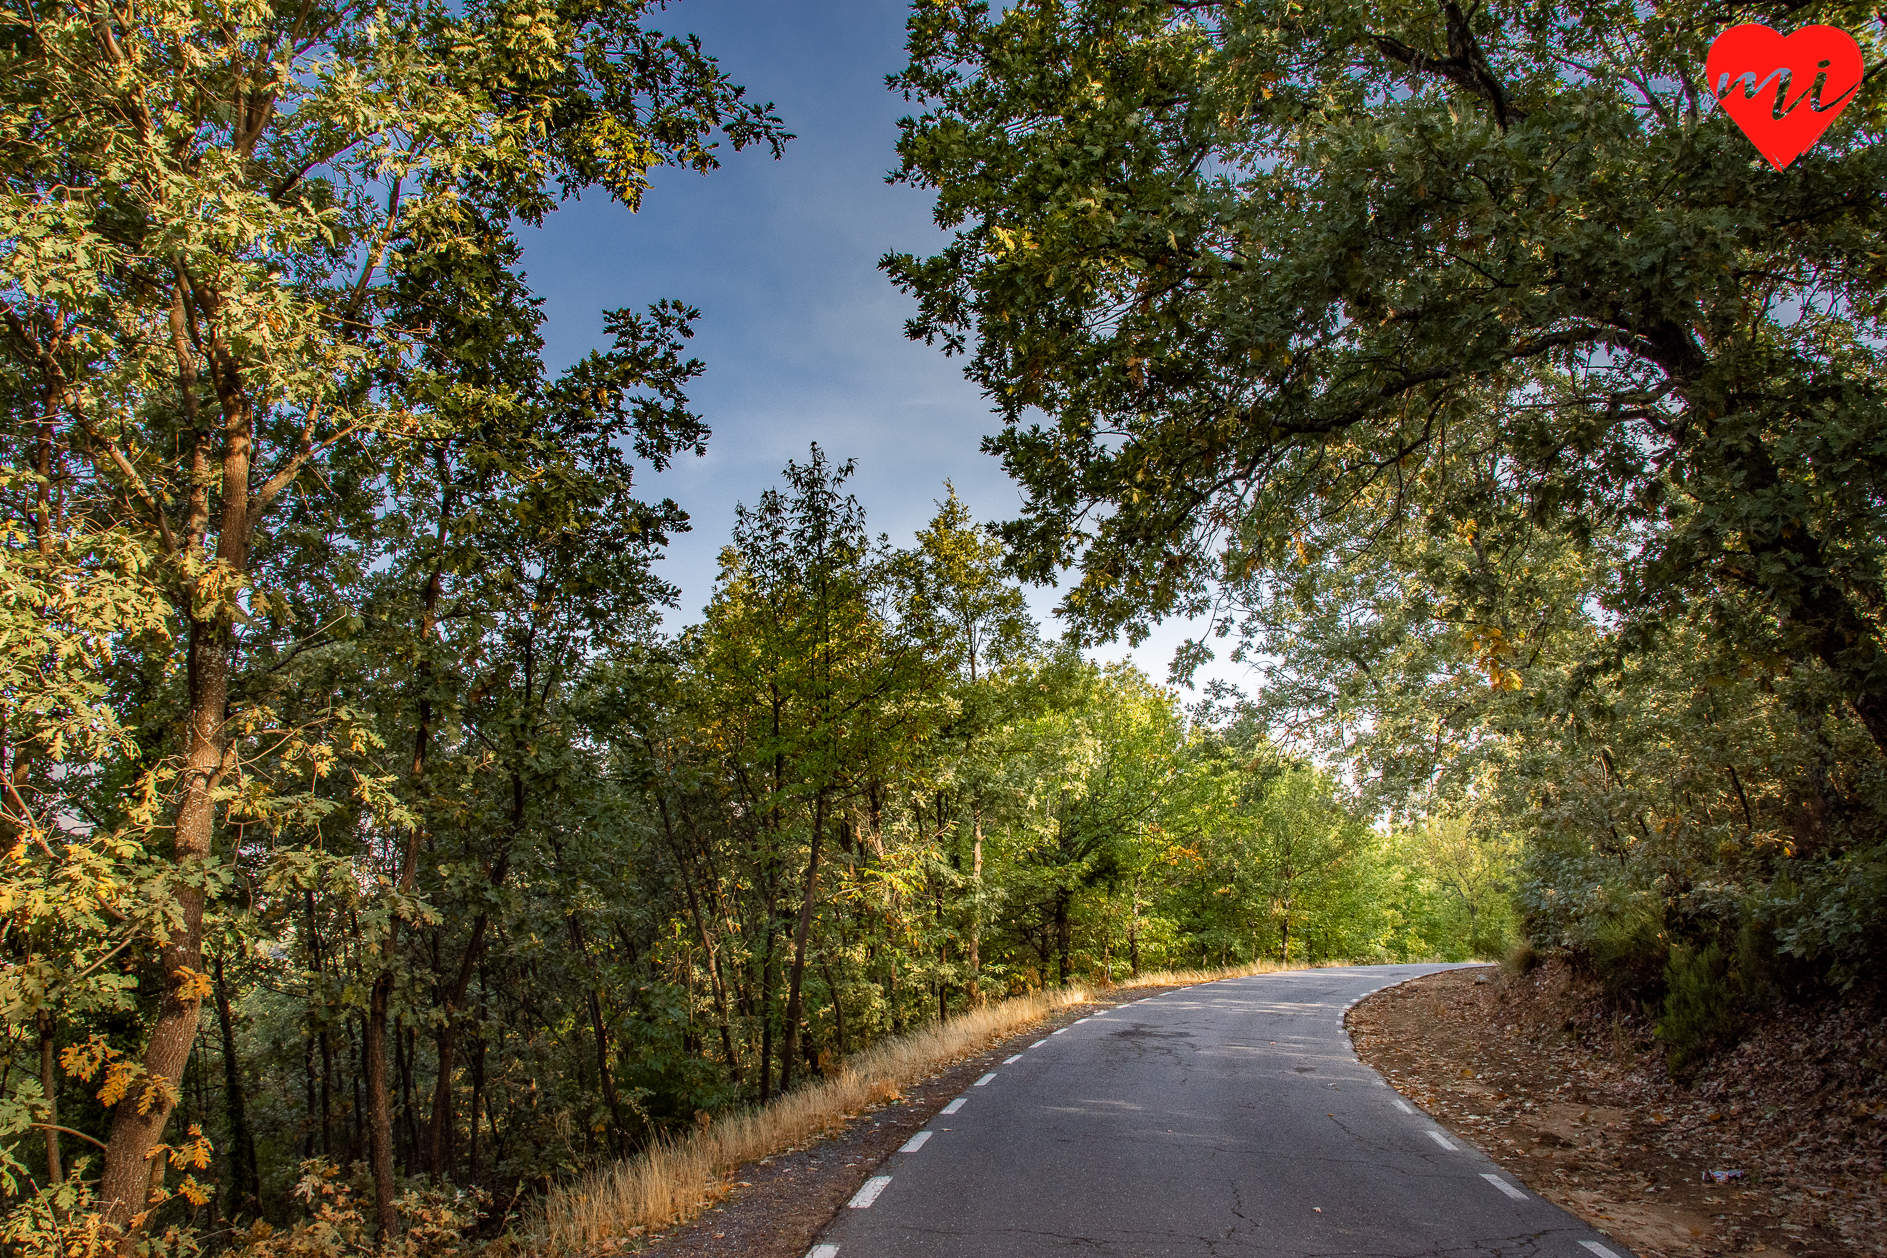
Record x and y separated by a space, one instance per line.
1133 931
799 944
1063 932
379 1110
246 1185
619 1137
437 1155
49 1089
327 1091
976 909
716 983
838 1005
478 1093
766 1012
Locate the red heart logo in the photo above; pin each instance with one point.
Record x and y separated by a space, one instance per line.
1783 91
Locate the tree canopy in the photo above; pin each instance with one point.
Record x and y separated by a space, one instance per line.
1251 281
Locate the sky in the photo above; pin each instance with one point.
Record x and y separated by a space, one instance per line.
801 334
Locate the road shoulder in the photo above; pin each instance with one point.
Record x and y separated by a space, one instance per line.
1582 1111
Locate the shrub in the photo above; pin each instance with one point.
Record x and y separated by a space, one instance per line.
1703 1008
1627 950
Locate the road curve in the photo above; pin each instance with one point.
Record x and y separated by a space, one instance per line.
1231 1118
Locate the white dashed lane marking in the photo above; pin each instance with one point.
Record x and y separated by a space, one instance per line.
1504 1186
862 1199
1038 1043
1441 1140
1010 1061
985 1079
1404 1106
1598 1249
1058 1032
917 1142
823 1251
955 1105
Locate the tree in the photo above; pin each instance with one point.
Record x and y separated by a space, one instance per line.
1256 261
822 687
1473 868
205 206
978 622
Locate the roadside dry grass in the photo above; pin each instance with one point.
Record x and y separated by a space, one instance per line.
678 1179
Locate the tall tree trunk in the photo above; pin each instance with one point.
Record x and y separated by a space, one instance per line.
799 943
137 1122
246 1183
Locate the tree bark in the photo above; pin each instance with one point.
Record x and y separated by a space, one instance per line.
380 1110
138 1121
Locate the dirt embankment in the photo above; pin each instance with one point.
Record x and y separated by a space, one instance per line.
1576 1102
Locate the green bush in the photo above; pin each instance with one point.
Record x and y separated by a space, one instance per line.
1627 951
1703 1008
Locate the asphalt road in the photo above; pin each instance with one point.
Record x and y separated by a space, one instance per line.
1231 1118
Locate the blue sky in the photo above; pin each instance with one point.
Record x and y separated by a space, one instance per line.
802 335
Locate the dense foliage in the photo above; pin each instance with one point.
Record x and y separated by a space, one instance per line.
1474 372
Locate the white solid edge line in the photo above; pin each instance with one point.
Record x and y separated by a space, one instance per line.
862 1199
1504 1186
823 1251
917 1142
1404 1106
1010 1061
985 1079
955 1105
1441 1140
1598 1249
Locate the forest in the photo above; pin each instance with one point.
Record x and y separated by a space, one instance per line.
366 823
